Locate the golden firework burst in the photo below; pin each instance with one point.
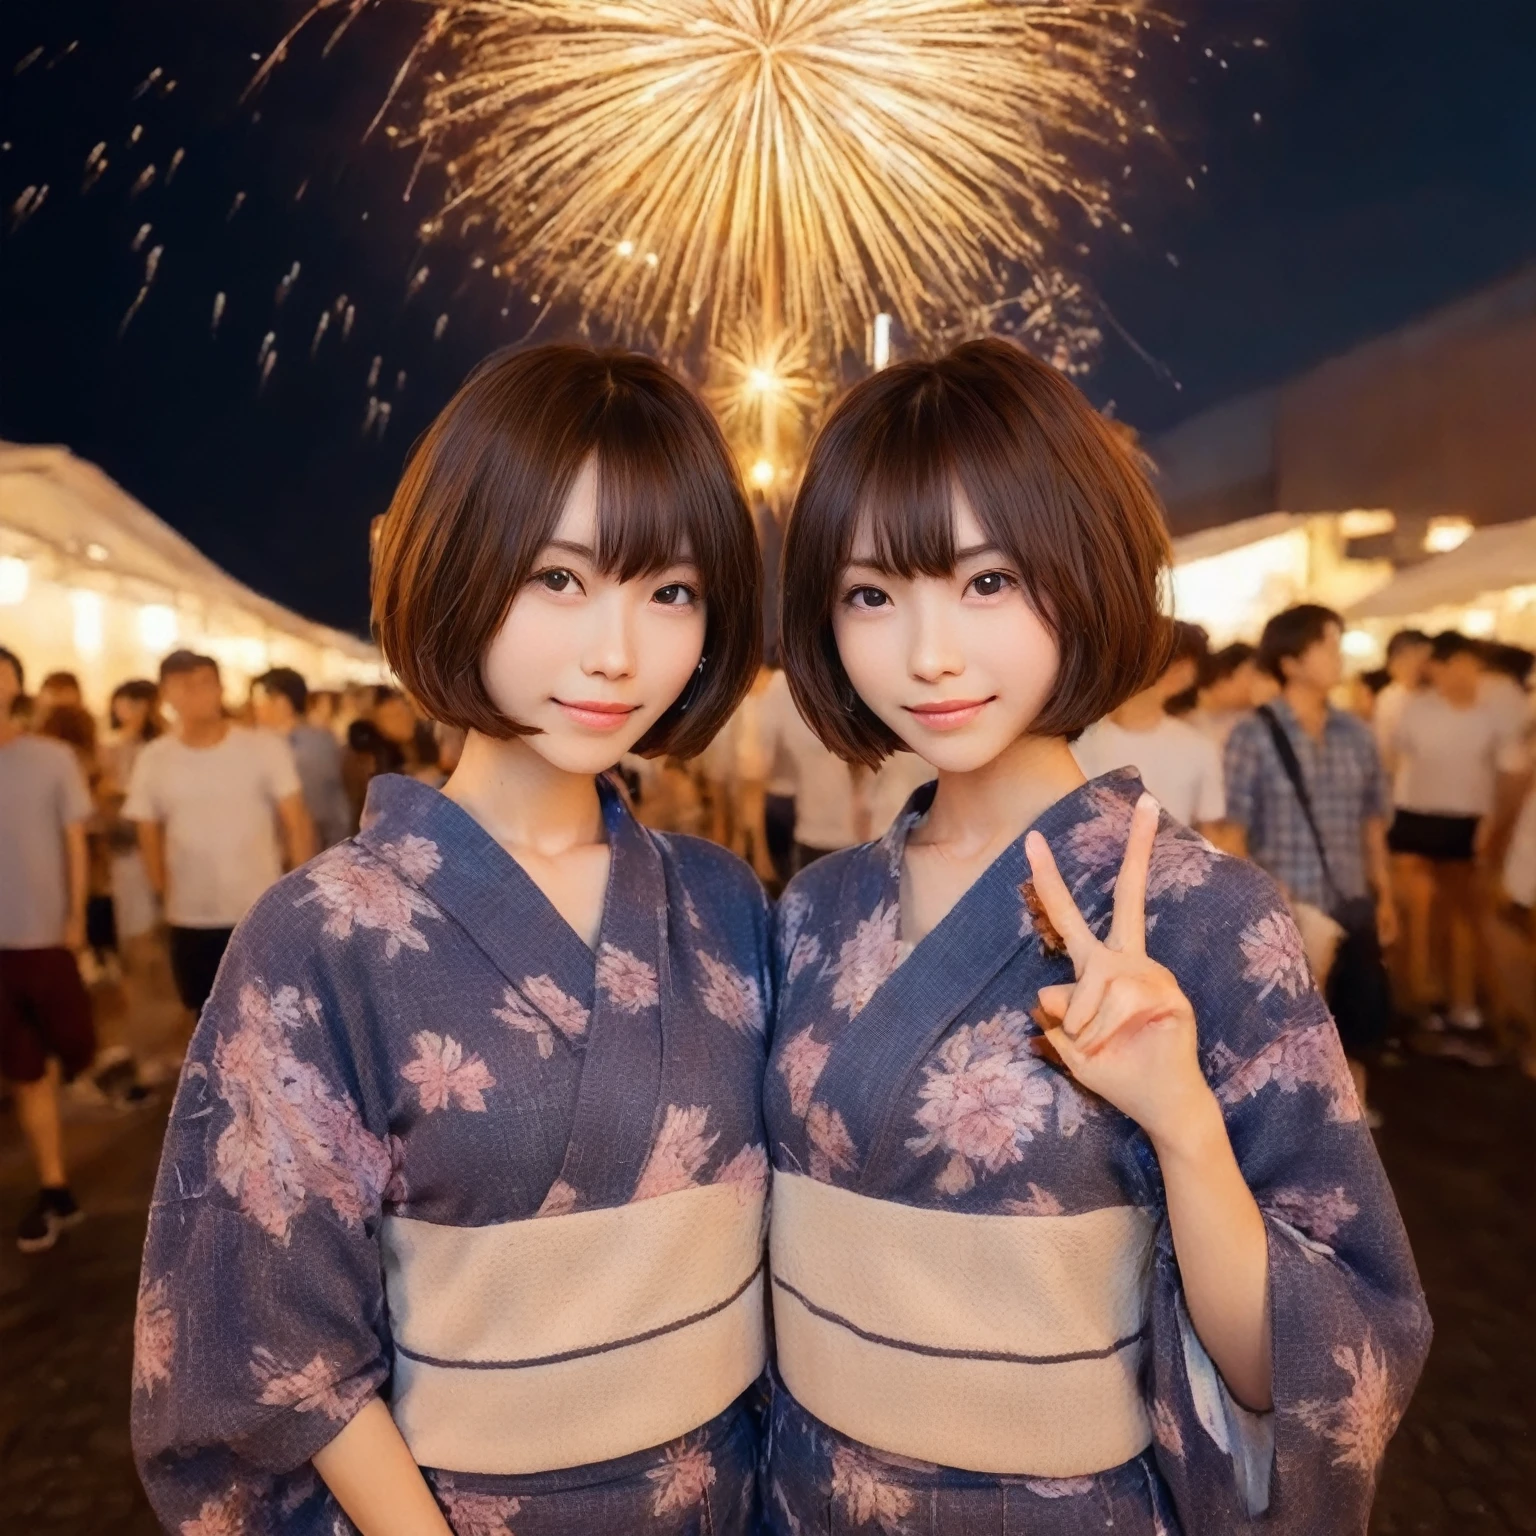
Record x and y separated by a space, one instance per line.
681 167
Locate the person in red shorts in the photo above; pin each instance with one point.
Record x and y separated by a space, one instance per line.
45 1015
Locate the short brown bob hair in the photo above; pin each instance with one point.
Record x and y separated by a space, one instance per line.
1055 487
482 494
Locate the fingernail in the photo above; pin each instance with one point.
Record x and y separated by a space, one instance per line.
1148 799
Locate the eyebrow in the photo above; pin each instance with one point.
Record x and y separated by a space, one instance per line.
970 552
584 550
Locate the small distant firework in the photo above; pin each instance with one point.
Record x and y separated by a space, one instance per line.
145 180
322 325
285 285
220 301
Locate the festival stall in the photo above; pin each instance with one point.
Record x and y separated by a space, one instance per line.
94 583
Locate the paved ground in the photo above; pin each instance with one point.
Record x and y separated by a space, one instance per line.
1460 1145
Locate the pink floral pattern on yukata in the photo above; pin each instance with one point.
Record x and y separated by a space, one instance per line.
444 1076
1360 1423
732 998
794 908
1320 1213
691 912
867 960
678 1154
831 1145
1180 861
686 1474
1307 1055
1165 1428
627 979
359 891
312 1388
478 1514
540 1004
984 1095
154 1336
807 951
398 1190
290 1136
1275 958
223 1516
748 1172
560 1201
1041 1202
801 1064
865 1494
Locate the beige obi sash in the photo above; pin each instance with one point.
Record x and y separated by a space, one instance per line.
561 1341
1003 1344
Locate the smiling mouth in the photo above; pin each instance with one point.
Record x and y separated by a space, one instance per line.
596 715
948 714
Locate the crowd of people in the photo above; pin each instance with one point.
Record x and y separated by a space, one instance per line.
1395 808
131 852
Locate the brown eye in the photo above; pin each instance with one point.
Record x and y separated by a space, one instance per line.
990 583
556 581
676 594
867 597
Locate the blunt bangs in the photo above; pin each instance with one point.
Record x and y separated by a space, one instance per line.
483 492
1055 488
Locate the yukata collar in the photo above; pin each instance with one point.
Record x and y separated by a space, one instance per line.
892 1033
626 986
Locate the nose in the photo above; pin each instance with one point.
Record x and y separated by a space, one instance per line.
610 643
933 650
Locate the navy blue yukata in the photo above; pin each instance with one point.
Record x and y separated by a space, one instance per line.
429 1146
979 1319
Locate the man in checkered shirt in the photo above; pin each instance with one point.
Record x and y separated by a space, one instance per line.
1347 785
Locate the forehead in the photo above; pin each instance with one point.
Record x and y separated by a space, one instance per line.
585 519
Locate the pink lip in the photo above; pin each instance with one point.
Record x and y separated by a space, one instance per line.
596 715
948 714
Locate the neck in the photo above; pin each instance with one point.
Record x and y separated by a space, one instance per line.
984 810
10 728
1309 702
204 733
1141 712
522 799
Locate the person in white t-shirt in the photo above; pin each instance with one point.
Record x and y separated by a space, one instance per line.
1231 686
220 811
826 812
1459 762
1180 765
1407 663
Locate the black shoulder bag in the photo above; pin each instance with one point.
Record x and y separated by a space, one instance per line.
1359 992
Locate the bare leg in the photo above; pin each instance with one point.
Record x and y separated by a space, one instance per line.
1418 894
1457 896
37 1108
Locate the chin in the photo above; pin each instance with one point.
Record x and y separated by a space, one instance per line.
959 752
581 754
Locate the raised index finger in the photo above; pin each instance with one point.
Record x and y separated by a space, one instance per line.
1057 901
1128 928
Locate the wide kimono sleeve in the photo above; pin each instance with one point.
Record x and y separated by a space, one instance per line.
1351 1329
261 1326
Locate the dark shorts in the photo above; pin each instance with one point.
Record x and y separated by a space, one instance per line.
195 956
44 1011
1445 839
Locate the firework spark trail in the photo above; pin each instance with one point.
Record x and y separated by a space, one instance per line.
680 167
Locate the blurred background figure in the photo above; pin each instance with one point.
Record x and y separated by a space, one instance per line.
220 813
280 703
46 1029
825 811
1179 764
1461 769
1231 684
58 689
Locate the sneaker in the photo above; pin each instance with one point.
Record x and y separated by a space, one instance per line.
1469 1051
53 1212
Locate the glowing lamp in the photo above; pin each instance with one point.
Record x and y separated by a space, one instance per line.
87 609
1446 533
157 627
15 577
762 473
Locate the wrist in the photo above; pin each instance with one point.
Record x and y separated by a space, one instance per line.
1192 1131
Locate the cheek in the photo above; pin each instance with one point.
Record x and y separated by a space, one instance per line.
670 646
1021 652
523 657
870 652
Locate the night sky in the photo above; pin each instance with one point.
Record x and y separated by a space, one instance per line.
1375 159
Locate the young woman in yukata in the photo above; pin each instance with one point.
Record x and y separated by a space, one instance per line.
1076 1224
459 1217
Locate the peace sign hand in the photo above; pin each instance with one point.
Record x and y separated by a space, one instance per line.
1124 1028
